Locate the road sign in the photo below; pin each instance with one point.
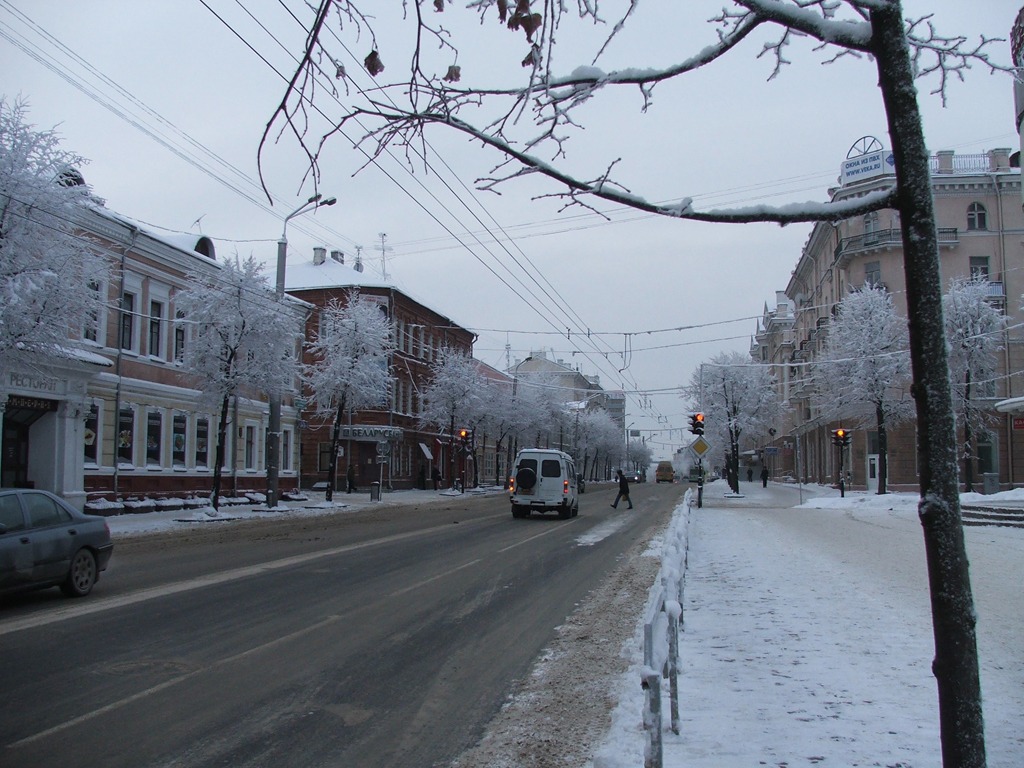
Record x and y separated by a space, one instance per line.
700 447
383 448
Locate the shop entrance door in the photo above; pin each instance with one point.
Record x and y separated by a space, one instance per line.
19 416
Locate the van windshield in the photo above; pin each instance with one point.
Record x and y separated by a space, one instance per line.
551 468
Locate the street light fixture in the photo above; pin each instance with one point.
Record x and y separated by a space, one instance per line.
274 433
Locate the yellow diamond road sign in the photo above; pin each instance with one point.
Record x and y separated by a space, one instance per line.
699 447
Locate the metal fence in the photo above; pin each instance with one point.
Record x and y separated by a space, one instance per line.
663 617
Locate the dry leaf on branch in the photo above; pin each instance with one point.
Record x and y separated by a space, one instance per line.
373 64
454 74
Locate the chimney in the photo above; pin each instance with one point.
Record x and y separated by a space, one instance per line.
338 256
319 255
358 266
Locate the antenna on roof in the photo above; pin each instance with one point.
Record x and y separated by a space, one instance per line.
383 255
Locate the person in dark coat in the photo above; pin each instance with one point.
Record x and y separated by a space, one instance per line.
436 477
750 474
350 478
764 477
623 490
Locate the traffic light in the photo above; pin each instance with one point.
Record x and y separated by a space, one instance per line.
697 423
840 437
464 436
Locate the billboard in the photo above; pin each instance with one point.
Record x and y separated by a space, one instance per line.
869 166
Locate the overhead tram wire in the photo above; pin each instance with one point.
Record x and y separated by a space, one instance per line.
561 301
440 177
140 122
382 170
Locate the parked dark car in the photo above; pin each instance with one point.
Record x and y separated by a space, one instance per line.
45 542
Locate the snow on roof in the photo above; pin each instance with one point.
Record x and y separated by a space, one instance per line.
307 275
329 274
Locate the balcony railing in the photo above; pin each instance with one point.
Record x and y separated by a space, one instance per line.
887 238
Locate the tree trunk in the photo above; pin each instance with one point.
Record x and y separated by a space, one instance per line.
968 437
332 467
218 460
956 653
883 451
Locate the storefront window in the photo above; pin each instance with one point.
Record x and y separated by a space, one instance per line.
126 436
154 438
178 432
91 442
202 442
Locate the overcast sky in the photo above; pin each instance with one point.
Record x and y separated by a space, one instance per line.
112 75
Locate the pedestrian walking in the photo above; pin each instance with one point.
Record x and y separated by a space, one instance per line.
623 490
435 476
350 478
764 477
750 474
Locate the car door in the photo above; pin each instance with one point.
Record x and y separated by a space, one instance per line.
16 558
53 536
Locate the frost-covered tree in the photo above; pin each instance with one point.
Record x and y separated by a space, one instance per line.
52 283
350 364
452 399
863 374
974 328
737 397
638 456
600 442
530 125
241 339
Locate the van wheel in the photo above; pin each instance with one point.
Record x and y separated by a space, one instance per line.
526 478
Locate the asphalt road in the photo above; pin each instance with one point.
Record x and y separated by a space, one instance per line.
378 638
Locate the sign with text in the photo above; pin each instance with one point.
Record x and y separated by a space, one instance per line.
867 166
368 432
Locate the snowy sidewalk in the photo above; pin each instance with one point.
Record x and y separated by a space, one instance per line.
807 639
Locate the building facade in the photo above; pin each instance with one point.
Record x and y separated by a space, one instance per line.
980 226
388 445
119 420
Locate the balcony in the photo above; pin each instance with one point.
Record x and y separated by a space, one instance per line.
885 239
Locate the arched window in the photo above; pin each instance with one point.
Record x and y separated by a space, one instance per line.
977 216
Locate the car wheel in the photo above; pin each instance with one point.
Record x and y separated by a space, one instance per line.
81 575
526 478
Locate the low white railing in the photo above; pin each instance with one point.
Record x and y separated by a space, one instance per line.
663 618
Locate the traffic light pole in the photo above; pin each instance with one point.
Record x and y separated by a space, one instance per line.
700 483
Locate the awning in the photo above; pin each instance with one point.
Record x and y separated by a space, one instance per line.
426 452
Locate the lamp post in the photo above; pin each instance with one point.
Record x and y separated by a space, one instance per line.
274 433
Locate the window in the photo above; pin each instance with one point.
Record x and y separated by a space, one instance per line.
986 454
202 442
91 437
44 511
286 450
979 267
156 321
128 321
179 336
179 427
873 273
250 446
126 436
154 437
91 326
550 468
10 513
977 216
871 227
324 457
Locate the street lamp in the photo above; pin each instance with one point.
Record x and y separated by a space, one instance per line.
274 433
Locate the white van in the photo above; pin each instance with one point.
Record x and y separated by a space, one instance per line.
544 481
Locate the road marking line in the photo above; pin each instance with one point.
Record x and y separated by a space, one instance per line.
172 682
104 604
419 584
531 538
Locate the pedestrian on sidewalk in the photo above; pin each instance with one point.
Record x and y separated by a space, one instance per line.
750 474
623 491
764 477
350 478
